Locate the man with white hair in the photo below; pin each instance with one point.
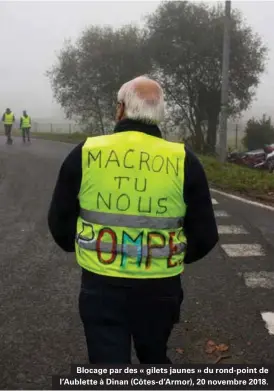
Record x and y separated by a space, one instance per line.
134 208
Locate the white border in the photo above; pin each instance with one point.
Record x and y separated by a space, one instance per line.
242 199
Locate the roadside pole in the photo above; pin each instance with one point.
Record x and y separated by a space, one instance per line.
225 80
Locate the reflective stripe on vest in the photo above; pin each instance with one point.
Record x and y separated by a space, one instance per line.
131 207
25 121
131 221
8 119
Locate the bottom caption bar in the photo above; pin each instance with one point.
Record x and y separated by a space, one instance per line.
167 377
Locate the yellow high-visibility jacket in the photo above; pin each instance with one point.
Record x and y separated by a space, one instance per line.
131 207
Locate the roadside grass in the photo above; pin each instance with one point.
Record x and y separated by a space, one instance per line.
71 138
239 179
63 137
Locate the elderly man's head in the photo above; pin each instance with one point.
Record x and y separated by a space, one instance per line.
141 99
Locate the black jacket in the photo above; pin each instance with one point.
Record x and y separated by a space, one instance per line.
199 223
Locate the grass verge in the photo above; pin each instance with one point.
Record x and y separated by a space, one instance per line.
63 137
72 138
254 184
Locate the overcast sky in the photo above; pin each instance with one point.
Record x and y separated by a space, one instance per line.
32 32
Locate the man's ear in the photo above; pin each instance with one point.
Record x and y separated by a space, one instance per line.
120 113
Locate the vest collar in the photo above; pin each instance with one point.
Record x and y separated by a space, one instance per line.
128 124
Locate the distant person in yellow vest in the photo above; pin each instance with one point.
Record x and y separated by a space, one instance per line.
25 126
8 118
135 209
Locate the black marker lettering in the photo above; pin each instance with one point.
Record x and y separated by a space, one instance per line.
160 202
140 210
120 180
144 159
107 204
157 163
125 165
113 158
143 187
90 156
121 205
176 170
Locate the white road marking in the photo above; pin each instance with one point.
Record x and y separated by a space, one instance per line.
244 200
252 280
268 318
221 213
259 280
232 229
243 250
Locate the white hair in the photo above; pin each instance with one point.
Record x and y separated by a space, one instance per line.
140 108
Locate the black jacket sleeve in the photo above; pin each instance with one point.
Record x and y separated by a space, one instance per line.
64 207
199 224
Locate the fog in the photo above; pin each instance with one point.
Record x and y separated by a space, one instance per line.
32 32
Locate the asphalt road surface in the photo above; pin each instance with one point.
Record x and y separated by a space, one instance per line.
229 294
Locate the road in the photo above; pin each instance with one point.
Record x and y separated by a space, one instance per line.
229 294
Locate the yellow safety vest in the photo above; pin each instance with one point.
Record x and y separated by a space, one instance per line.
8 119
131 206
26 123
